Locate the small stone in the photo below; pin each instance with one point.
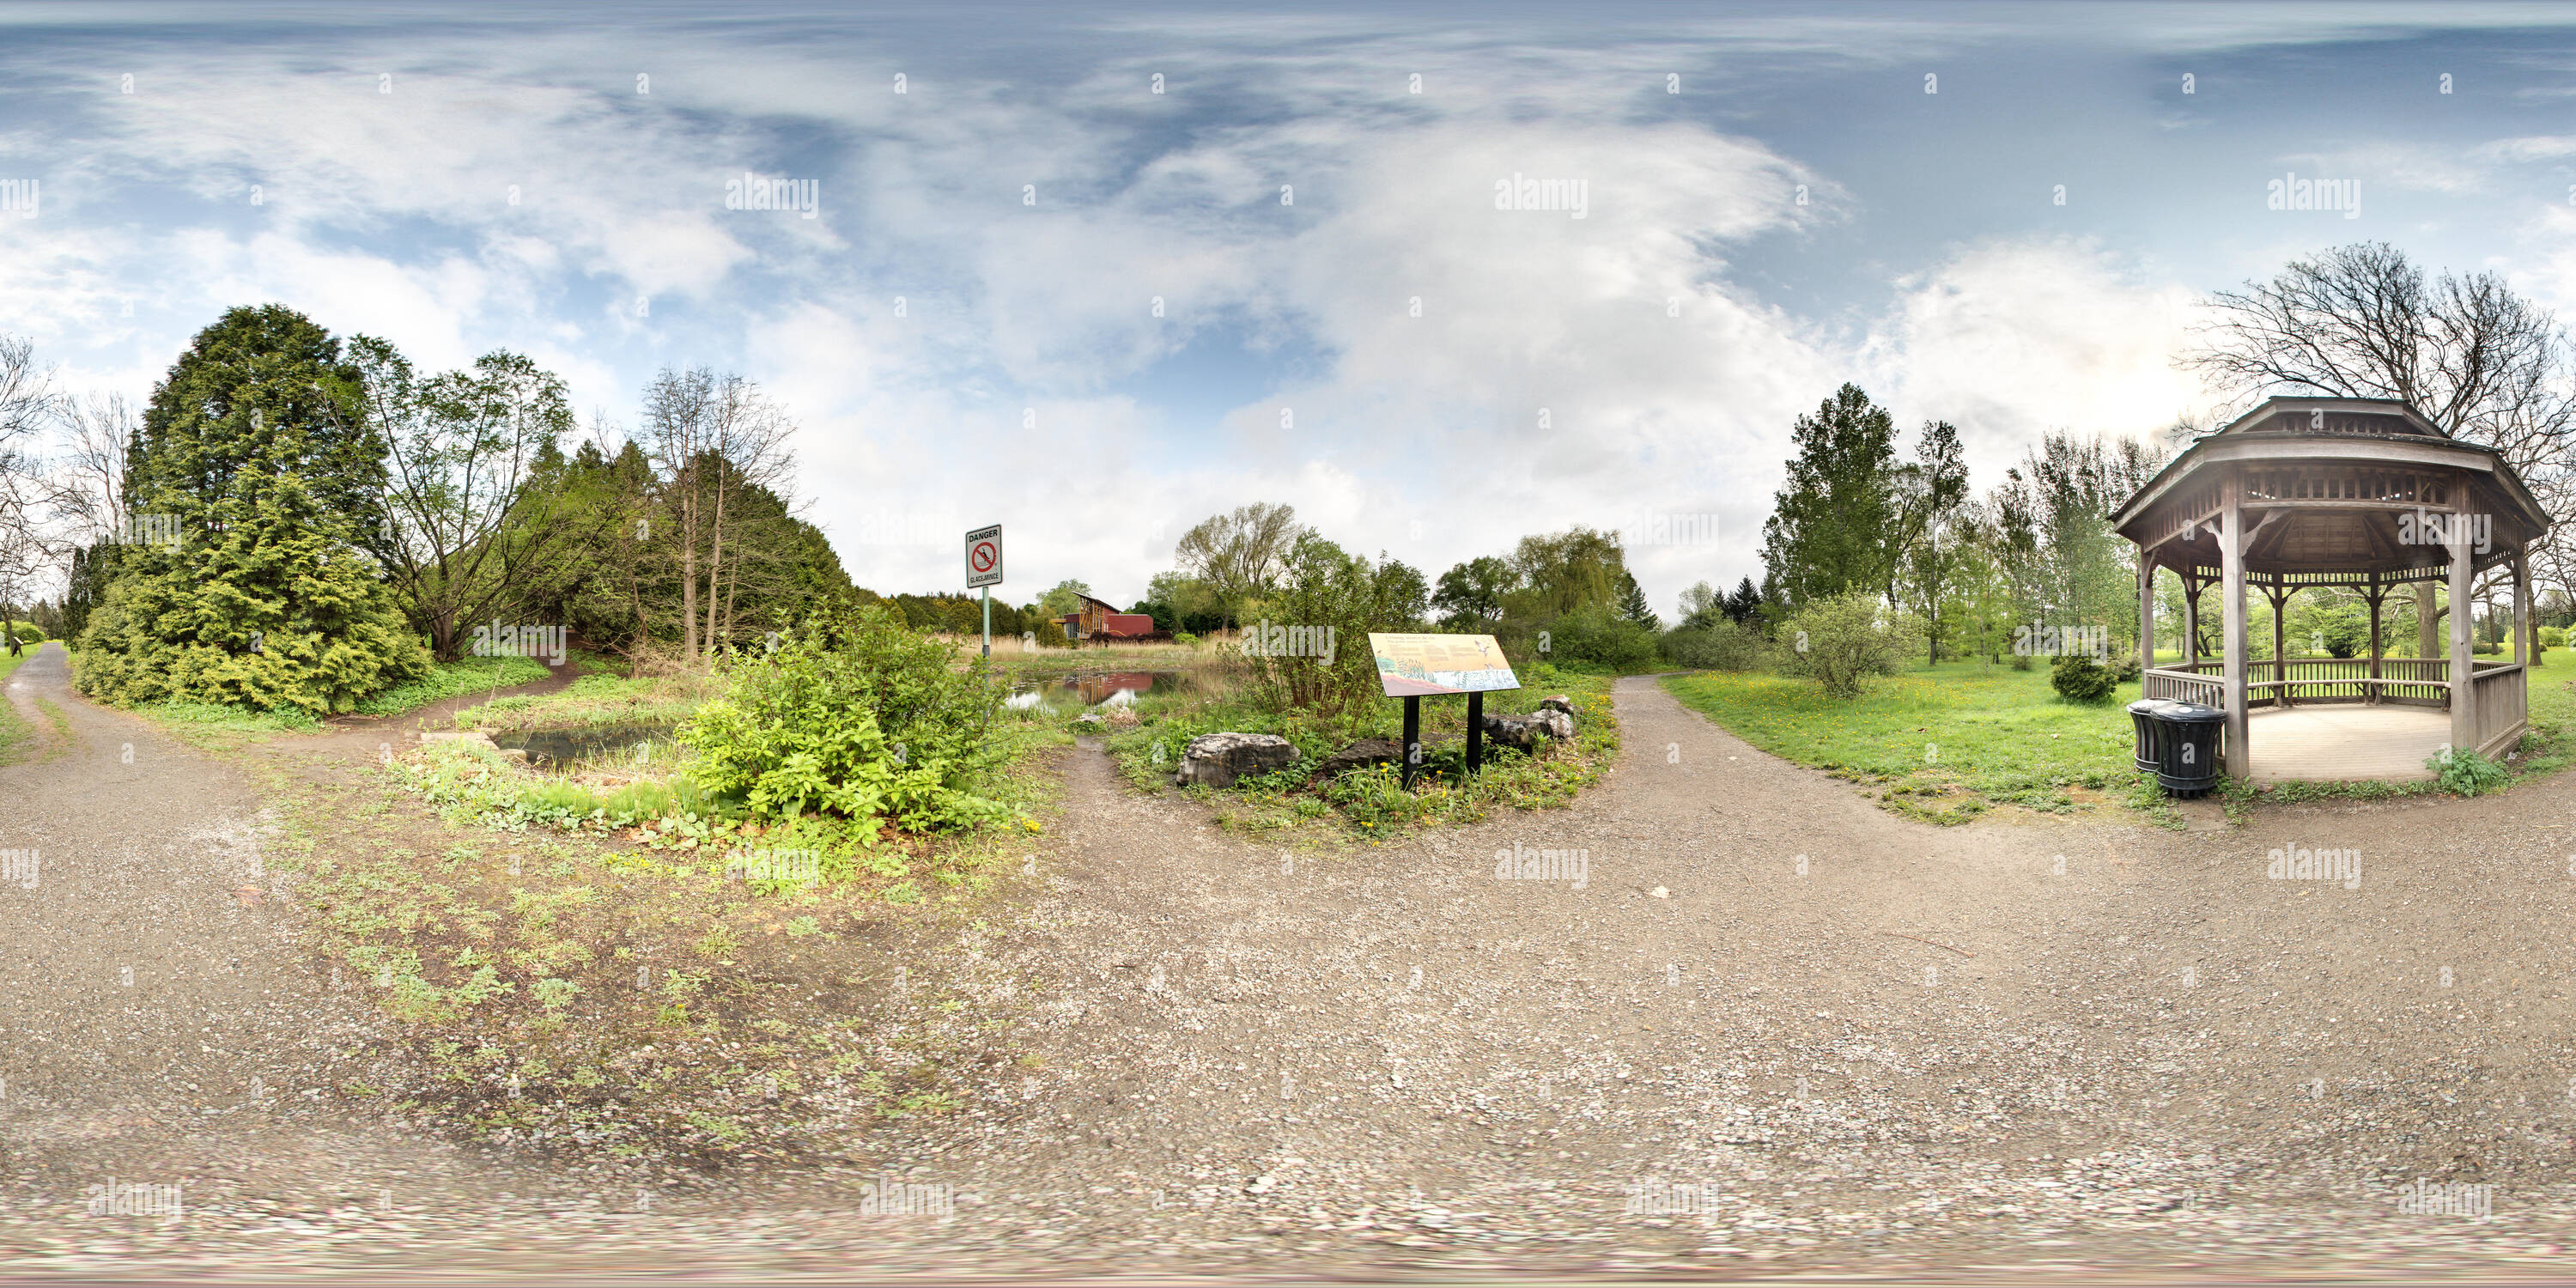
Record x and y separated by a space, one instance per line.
1661 893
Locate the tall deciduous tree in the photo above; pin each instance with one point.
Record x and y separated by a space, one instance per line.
1929 492
711 436
476 526
1240 555
2363 321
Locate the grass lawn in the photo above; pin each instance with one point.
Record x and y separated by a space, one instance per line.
1949 743
1944 744
14 733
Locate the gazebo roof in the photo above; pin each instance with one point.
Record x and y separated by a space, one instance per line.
2330 486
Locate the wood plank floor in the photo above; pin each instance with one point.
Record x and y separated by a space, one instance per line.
2326 743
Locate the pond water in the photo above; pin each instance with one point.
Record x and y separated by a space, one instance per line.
557 748
1109 688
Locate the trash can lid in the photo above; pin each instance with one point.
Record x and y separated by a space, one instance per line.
2150 706
2192 712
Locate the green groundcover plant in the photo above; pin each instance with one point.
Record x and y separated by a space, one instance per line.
852 715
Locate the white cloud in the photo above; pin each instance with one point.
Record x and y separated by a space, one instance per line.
2007 339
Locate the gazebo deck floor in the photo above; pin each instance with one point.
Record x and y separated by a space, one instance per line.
2333 741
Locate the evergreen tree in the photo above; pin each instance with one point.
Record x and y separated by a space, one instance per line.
1828 532
1745 604
254 448
1632 603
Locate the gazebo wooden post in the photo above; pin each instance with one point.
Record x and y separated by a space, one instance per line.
2280 656
2146 615
2524 638
2191 614
2464 716
2377 594
2231 548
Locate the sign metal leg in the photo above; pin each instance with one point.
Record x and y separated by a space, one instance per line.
1412 740
1475 732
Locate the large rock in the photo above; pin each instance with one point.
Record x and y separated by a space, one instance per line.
1557 702
1367 751
1217 759
1526 733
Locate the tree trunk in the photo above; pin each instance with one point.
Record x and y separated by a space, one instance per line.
715 560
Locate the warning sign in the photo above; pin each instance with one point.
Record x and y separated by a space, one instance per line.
984 557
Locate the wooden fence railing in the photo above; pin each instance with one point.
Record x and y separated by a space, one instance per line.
2501 704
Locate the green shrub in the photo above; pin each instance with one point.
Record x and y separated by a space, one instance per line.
2466 773
1720 646
1185 639
2553 637
28 633
856 716
2125 667
2078 678
1327 597
1841 641
1593 635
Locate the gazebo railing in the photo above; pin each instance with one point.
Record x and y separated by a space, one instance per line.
2500 703
2416 680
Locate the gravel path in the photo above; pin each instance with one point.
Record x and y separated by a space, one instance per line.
1803 1034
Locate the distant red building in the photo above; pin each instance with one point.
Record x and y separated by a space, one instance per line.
1099 619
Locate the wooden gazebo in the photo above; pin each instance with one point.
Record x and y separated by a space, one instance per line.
2356 492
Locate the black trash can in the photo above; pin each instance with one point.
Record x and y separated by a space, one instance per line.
2187 749
2142 713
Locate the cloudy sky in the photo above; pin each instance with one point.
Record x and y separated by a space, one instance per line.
1096 275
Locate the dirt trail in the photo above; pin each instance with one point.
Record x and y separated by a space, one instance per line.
2148 1054
159 1021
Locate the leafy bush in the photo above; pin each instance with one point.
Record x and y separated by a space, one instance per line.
1596 636
1328 597
2553 637
855 716
1839 642
1185 639
1721 645
2466 773
28 633
2125 667
2078 678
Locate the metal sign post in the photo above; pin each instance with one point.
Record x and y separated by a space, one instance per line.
984 569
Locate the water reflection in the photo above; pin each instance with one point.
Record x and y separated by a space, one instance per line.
1111 689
